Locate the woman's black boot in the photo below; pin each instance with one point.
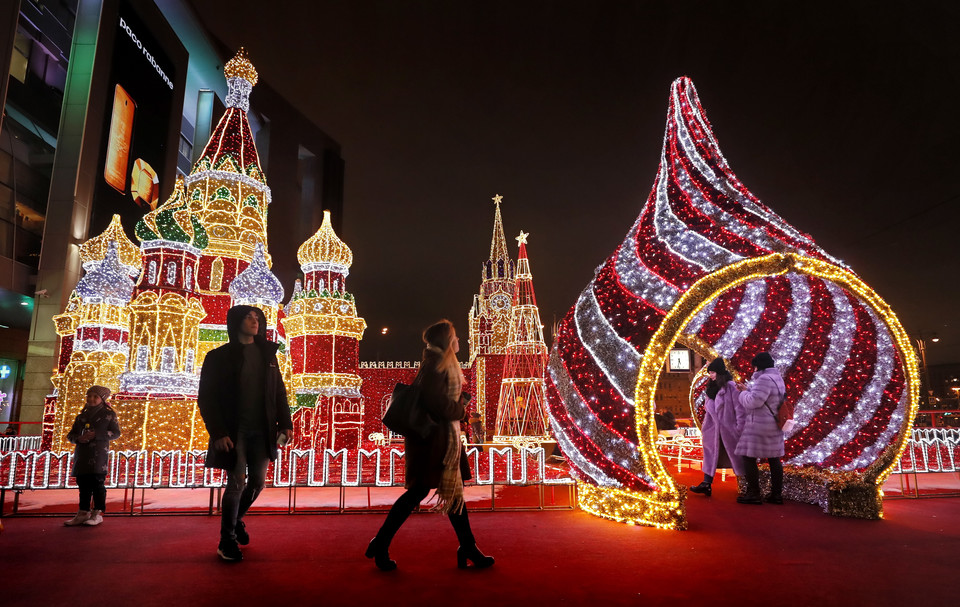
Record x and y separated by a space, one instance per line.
380 556
704 487
473 554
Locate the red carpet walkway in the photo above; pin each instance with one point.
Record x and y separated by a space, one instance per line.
731 555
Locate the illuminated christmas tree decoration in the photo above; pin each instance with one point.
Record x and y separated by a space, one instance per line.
710 266
521 411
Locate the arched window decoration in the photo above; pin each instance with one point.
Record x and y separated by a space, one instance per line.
152 273
171 273
216 274
189 281
168 359
143 357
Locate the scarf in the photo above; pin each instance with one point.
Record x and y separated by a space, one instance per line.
449 491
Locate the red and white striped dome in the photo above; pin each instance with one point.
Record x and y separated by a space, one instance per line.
708 265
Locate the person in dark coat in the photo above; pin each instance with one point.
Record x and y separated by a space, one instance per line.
92 431
719 428
438 461
476 428
243 403
760 435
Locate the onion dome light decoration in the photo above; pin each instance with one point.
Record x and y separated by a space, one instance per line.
257 284
706 264
108 282
173 222
94 250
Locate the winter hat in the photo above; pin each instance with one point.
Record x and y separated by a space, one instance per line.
102 391
762 361
717 366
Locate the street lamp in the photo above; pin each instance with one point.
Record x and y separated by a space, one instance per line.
383 333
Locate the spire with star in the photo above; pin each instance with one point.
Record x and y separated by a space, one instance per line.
521 409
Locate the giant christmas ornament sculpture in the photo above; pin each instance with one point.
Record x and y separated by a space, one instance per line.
707 265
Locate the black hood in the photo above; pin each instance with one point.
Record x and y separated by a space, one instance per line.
235 316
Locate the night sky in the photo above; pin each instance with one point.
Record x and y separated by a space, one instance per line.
842 120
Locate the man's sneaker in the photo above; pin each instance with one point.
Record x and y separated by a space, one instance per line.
243 538
81 517
229 551
96 517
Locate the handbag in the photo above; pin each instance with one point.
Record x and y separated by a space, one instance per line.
405 415
784 414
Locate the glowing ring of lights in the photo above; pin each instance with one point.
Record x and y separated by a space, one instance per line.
711 286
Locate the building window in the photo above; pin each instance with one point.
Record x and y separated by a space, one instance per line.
21 57
168 359
143 357
186 148
216 274
152 273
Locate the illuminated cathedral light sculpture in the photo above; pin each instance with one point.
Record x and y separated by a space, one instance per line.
157 396
522 410
99 344
210 234
323 334
489 315
489 323
706 264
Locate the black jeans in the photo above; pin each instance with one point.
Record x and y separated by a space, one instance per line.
404 506
244 482
91 485
752 472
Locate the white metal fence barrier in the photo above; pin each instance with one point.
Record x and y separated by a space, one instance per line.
294 468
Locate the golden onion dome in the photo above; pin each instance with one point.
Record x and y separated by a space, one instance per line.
325 248
240 67
94 250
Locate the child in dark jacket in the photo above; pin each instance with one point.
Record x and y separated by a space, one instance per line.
92 431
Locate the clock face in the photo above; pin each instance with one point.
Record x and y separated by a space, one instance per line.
679 360
500 302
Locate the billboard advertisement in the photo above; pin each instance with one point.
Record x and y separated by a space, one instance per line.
140 99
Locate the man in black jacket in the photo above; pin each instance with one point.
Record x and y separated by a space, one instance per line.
243 403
